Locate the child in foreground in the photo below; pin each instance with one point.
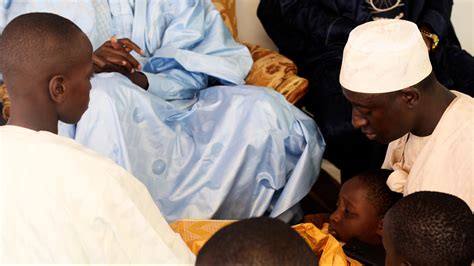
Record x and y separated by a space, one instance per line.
429 228
62 203
256 241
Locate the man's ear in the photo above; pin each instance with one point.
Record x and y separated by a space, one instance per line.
57 88
411 96
379 231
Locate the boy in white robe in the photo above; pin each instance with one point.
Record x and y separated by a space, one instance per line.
60 202
387 76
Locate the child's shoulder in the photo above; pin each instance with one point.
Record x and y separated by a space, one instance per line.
45 145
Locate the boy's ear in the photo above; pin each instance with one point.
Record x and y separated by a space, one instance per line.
57 88
380 228
411 96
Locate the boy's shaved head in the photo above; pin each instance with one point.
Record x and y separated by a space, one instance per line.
46 61
256 241
39 43
430 228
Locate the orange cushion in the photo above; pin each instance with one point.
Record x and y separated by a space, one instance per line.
228 13
5 102
271 69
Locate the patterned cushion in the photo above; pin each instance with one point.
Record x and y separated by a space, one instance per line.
5 102
227 10
271 69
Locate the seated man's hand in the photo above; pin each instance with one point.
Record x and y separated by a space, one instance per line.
317 219
114 56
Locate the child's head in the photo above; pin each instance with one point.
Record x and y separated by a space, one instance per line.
46 61
362 204
429 228
256 241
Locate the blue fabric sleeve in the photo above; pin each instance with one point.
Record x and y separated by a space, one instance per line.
186 42
175 84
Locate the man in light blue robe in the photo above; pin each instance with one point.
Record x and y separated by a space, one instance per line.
222 152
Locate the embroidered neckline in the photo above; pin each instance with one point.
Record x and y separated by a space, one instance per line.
384 5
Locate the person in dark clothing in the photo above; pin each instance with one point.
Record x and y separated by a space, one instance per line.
313 33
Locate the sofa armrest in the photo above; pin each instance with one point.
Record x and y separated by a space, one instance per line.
5 101
271 69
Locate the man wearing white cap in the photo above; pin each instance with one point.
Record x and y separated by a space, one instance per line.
387 76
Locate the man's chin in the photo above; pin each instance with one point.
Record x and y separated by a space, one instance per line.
377 138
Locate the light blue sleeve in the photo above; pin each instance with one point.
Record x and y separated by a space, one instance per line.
187 41
82 13
175 83
3 14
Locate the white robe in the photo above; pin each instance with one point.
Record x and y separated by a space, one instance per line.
444 161
62 203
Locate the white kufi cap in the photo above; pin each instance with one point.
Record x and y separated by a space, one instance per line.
384 56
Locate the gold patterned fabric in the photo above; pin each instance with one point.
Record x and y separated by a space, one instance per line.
5 102
228 13
195 234
271 69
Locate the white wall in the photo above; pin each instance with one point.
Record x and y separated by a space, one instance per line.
462 18
251 30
